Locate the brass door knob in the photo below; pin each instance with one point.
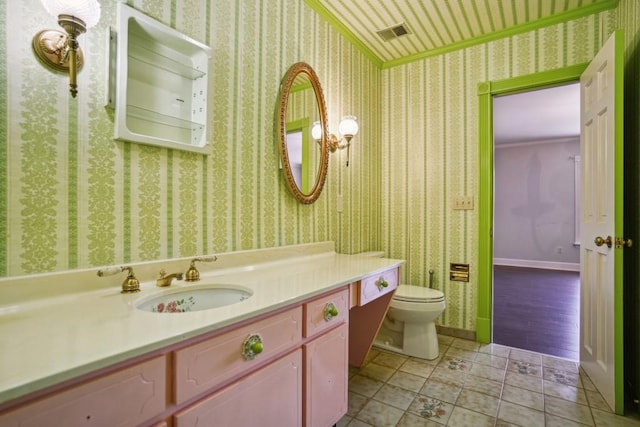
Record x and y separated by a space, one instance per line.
599 241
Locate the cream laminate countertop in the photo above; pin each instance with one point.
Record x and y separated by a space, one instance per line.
58 337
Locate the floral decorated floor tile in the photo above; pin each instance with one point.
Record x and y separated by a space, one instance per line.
562 377
431 409
525 368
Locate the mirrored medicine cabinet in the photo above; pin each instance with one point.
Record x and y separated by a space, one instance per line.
157 83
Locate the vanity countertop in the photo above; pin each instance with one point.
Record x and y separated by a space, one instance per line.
55 338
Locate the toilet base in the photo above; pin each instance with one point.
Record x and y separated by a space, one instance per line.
416 340
421 340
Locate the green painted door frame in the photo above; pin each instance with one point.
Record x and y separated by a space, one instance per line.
486 92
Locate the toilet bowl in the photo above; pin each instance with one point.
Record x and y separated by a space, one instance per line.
409 326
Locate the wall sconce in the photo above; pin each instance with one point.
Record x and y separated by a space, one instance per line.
347 128
58 50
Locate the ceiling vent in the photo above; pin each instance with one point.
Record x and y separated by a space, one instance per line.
393 32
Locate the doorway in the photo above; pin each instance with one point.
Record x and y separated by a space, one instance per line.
486 92
536 256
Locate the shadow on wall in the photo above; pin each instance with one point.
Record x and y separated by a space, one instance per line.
535 208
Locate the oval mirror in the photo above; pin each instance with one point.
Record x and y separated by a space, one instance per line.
304 159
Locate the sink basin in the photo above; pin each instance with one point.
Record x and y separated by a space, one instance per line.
196 298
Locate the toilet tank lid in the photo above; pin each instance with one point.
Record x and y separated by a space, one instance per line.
376 254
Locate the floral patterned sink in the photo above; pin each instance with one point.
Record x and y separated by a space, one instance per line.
194 299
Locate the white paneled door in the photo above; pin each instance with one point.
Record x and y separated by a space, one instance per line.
601 253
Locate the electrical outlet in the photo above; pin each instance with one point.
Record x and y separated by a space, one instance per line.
463 202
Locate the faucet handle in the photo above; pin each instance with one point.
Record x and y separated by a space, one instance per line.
192 274
130 285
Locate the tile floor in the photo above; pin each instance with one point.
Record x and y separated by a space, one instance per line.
474 385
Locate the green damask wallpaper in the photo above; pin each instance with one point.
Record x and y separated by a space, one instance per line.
72 197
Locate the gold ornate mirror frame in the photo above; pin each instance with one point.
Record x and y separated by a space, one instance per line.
295 71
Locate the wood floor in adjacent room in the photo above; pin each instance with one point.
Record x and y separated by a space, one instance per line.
537 309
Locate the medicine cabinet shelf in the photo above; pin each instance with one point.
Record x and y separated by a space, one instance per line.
139 52
164 127
158 84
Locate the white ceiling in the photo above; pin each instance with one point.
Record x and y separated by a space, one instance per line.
543 114
438 24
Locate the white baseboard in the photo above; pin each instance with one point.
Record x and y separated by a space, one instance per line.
549 265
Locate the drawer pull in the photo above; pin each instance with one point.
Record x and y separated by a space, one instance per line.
252 346
330 311
381 283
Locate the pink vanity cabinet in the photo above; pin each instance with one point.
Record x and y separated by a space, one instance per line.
326 359
370 298
296 376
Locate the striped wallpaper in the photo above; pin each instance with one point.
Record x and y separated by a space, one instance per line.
430 148
72 197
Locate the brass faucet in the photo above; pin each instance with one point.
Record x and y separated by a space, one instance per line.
192 274
129 285
165 280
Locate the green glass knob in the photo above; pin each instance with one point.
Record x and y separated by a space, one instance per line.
252 346
257 347
330 311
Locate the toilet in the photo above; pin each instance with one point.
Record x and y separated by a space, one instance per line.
409 326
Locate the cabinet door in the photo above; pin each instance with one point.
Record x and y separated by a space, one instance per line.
123 398
326 367
271 396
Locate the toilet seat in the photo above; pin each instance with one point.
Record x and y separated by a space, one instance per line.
418 294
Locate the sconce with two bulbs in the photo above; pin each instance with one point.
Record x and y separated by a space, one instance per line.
348 128
59 50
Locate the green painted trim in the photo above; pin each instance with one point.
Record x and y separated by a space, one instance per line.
483 330
301 86
486 92
570 15
618 297
485 214
321 10
539 80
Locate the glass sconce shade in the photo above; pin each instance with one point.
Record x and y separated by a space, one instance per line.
348 126
316 131
86 10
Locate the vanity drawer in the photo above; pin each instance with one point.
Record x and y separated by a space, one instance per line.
370 287
126 397
317 313
271 396
208 364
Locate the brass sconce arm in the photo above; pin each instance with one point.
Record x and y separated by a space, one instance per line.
60 51
348 128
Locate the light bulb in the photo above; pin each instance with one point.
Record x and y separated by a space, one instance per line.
348 126
316 131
